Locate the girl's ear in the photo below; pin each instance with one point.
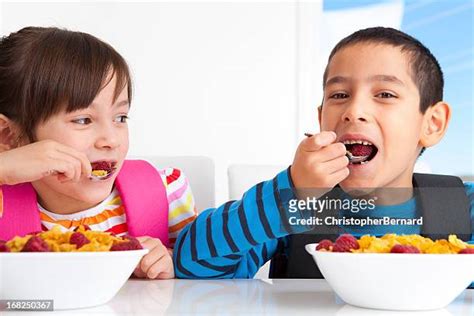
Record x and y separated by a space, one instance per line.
8 134
435 124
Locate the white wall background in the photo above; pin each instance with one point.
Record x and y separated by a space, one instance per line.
236 81
319 32
210 79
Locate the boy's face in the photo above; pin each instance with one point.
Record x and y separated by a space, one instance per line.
370 96
100 131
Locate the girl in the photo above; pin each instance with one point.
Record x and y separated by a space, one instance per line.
64 103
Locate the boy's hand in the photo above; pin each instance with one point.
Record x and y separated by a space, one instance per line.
157 263
319 162
44 158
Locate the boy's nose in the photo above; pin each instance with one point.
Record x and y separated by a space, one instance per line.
355 112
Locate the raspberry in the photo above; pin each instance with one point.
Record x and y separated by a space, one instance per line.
132 239
345 243
3 246
36 244
361 150
102 165
324 244
79 240
404 249
131 243
127 245
86 227
463 251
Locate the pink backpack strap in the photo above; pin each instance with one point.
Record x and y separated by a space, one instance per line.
144 197
20 211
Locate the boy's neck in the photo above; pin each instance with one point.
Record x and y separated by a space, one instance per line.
396 191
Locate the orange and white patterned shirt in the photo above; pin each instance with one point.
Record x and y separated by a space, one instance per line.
109 215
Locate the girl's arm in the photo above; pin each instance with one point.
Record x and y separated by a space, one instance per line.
34 161
181 204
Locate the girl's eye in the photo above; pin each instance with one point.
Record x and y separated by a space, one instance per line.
385 95
339 96
122 119
82 121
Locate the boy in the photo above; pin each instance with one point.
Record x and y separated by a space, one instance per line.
382 104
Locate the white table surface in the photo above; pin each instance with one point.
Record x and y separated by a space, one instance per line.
240 297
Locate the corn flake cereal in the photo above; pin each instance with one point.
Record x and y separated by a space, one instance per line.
81 240
392 243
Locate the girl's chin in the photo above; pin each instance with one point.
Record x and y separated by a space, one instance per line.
92 198
94 192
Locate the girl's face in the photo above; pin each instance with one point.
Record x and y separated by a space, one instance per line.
100 131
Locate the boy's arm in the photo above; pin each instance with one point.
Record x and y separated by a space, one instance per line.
223 242
469 186
235 239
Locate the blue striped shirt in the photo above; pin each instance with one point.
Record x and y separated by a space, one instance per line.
237 238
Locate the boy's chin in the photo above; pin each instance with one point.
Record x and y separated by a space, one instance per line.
360 183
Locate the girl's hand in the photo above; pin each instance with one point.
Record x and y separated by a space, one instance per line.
157 263
41 159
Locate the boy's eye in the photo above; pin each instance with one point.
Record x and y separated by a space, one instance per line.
82 121
122 119
339 96
385 95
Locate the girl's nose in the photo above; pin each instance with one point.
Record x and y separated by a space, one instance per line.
107 137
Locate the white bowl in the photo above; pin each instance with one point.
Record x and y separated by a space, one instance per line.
395 281
70 279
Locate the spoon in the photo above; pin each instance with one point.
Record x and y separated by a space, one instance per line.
99 177
352 159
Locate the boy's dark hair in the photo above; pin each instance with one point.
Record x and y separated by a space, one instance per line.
425 70
46 70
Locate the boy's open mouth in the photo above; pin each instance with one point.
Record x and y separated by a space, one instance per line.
103 169
360 151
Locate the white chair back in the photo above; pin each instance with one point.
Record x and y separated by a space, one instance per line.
199 170
242 177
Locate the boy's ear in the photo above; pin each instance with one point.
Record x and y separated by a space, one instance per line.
435 124
320 111
8 134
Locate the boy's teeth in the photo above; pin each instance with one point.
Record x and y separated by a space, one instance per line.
361 142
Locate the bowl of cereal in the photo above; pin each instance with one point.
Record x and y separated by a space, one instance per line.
70 270
395 272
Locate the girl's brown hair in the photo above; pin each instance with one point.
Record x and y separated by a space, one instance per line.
46 70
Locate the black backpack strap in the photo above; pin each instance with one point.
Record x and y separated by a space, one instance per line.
444 205
279 262
293 261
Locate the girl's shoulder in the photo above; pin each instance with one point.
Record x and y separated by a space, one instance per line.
171 175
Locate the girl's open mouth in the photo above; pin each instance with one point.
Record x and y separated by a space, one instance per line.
360 152
102 170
